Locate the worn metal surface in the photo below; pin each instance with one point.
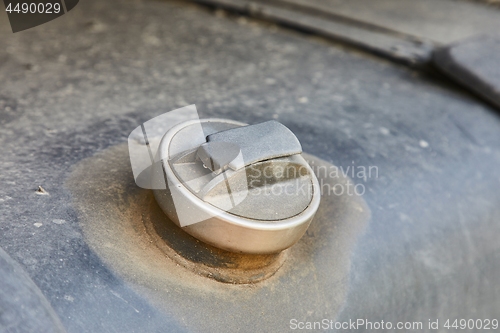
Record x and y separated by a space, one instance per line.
23 308
440 21
133 243
474 63
78 85
324 21
403 30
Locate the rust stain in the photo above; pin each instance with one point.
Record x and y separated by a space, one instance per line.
123 225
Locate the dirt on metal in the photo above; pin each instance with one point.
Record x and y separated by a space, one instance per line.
125 227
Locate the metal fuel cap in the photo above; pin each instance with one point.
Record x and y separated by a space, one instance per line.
241 188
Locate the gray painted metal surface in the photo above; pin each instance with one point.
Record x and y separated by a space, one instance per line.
442 21
324 21
409 32
402 30
78 85
475 63
23 308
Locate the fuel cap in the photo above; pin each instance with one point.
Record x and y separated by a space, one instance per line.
241 188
